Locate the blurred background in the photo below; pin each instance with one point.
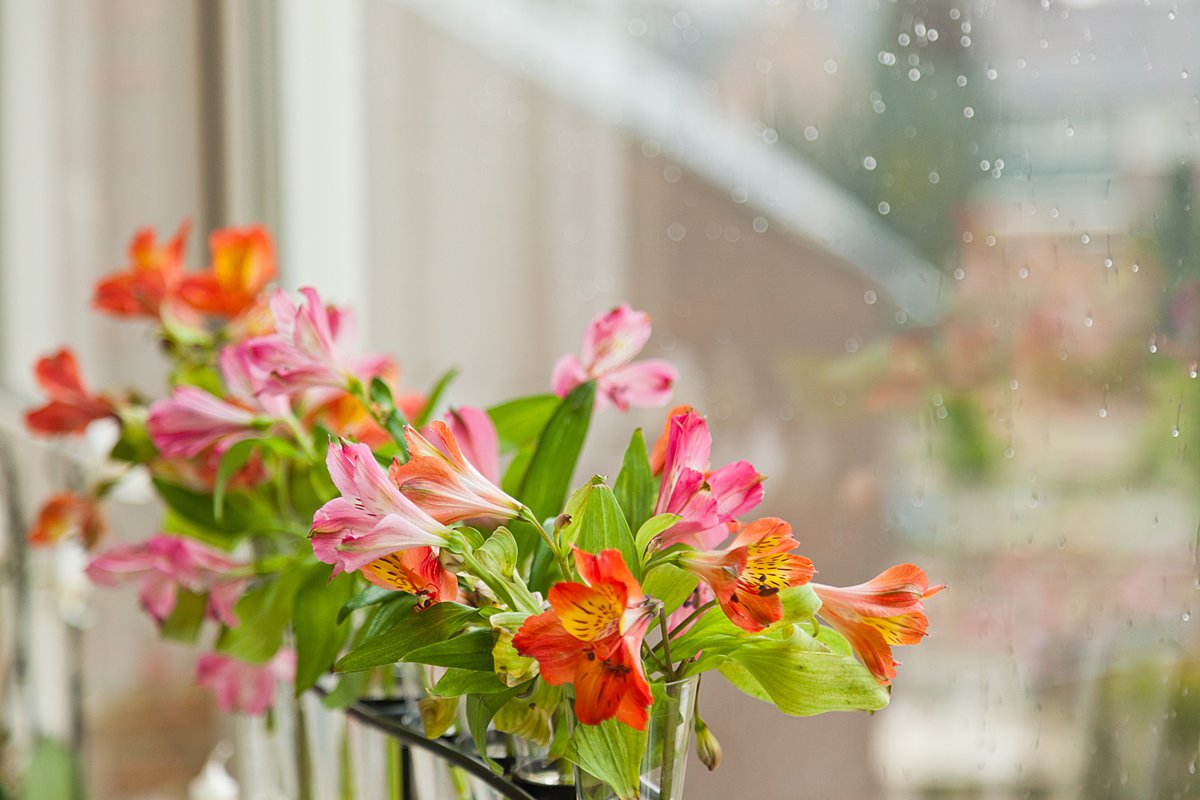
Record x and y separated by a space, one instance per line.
931 265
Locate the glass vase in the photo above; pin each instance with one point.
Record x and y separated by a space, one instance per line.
668 737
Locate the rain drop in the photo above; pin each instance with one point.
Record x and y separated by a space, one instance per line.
959 273
1108 263
968 112
759 224
1135 268
885 208
676 232
1175 432
869 297
914 74
962 80
1085 238
991 74
934 177
811 133
869 163
1103 411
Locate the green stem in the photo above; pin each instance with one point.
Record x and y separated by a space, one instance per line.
303 756
670 711
647 652
666 645
528 516
678 629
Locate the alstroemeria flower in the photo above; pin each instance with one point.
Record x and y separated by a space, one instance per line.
448 487
884 611
191 420
150 281
308 348
592 637
165 565
707 501
72 407
371 519
65 513
612 341
417 572
476 435
747 576
243 263
244 688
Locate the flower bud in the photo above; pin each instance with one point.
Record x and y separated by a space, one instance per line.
708 749
437 714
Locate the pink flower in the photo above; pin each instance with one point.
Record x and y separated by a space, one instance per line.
192 420
447 486
707 501
239 374
610 344
167 564
372 518
308 348
476 435
241 687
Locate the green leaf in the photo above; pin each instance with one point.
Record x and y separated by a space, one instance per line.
434 397
670 584
350 688
519 422
511 668
467 681
243 512
381 395
597 523
233 460
499 552
435 624
264 611
370 596
390 613
800 680
545 485
800 603
470 650
186 619
636 488
480 710
54 773
651 528
514 476
319 634
611 752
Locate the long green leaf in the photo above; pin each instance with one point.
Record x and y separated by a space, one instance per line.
434 397
597 523
233 460
549 476
636 488
319 634
519 422
467 681
611 752
435 624
480 710
470 650
264 612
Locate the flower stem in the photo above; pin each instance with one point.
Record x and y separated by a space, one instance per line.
527 515
678 629
666 646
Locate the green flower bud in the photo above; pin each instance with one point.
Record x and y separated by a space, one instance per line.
708 749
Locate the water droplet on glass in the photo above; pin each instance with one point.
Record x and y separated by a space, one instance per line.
1062 542
901 317
1103 411
942 413
1023 272
1175 432
961 80
1014 384
904 39
1108 263
886 58
869 297
959 273
811 133
992 74
852 345
885 208
1171 14
676 232
1134 268
985 165
932 35
1070 130
1193 370
914 74
739 194
1088 321
968 112
934 177
1183 74
869 163
1154 344
759 224
831 66
763 65
770 136
1009 452
1186 616
965 41
1085 238
1054 212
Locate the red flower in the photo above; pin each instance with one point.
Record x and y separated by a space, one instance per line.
243 263
151 279
71 406
884 611
748 576
417 572
65 513
591 637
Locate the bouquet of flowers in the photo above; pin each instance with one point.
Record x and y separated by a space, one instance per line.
328 522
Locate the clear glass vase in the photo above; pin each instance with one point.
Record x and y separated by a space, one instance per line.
668 737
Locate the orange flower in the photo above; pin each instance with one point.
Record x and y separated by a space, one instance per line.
243 263
748 576
417 572
151 279
65 513
884 611
592 637
71 406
